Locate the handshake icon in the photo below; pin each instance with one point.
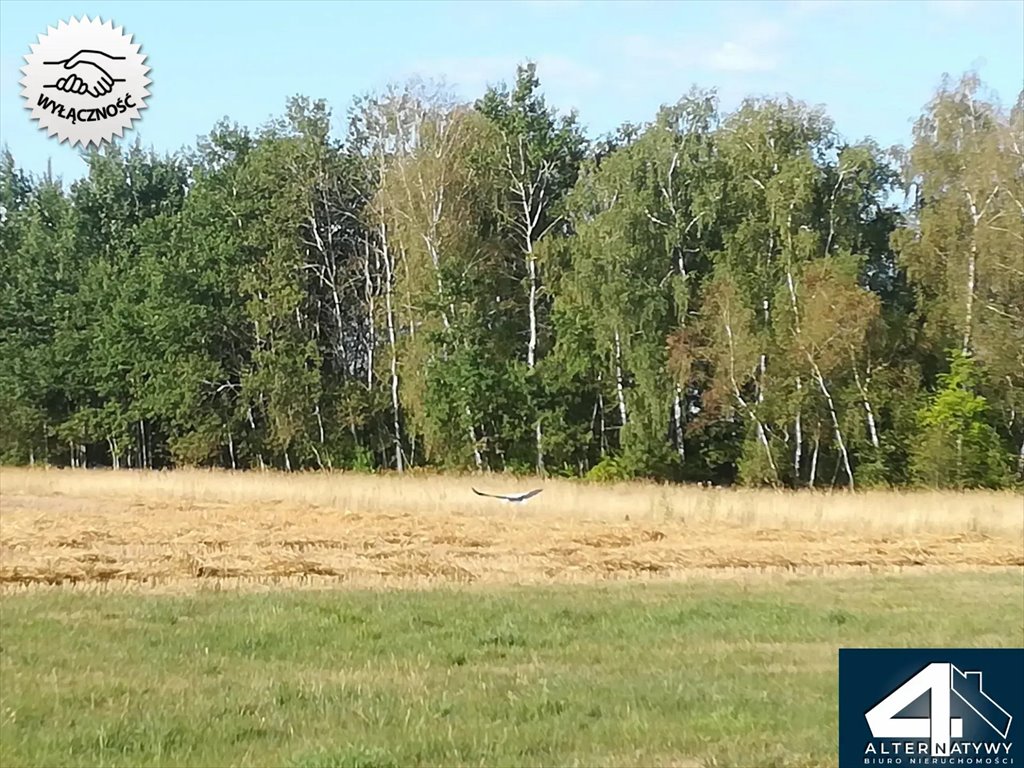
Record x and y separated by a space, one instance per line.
87 73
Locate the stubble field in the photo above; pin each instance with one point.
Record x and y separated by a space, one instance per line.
140 530
216 619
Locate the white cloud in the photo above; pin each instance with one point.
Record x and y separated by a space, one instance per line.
753 48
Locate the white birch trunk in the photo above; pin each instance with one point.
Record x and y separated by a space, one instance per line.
531 345
972 266
814 455
531 348
319 422
601 424
761 434
766 314
972 263
831 213
371 331
259 455
969 309
530 196
316 453
619 389
869 412
798 435
474 441
798 430
390 316
320 425
677 412
835 419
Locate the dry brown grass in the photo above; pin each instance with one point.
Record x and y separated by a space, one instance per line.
192 528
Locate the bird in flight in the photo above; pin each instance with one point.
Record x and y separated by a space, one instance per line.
517 498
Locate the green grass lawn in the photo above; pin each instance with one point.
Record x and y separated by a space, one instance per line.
698 673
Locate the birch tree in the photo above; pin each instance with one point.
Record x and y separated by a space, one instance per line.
433 200
539 158
642 217
964 250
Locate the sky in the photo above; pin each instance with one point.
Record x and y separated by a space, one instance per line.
872 64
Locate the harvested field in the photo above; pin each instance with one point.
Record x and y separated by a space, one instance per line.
191 529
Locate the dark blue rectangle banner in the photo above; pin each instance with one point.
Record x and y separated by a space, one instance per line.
931 707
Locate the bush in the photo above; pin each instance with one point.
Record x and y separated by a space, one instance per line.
611 469
957 447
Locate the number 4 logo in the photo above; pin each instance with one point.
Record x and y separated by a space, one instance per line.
941 680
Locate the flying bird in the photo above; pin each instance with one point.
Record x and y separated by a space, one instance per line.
518 498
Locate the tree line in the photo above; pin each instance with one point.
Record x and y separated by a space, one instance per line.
740 297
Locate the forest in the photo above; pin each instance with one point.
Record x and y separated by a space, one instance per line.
739 297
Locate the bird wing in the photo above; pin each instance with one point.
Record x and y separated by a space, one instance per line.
488 495
525 496
511 497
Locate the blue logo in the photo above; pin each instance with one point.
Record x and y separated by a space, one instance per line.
931 707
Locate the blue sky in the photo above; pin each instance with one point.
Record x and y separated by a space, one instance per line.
872 64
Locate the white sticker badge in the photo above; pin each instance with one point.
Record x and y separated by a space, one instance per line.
85 81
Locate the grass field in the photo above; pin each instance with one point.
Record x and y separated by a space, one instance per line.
210 619
726 673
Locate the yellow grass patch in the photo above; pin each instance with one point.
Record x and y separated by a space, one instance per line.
191 527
